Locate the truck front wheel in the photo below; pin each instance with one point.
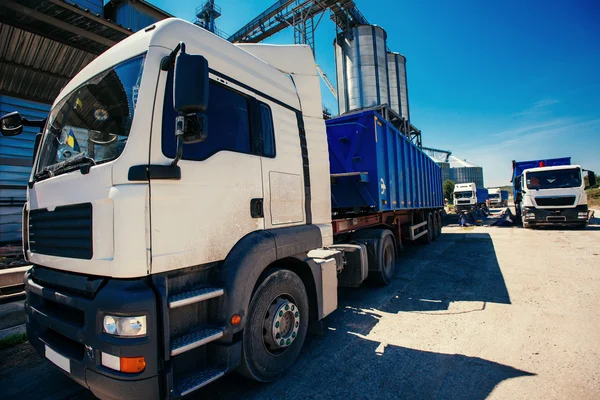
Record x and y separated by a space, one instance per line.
275 327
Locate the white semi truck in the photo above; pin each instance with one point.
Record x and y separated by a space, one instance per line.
179 213
551 192
498 197
468 197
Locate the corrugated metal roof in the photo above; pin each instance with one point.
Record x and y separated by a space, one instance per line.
63 22
456 162
43 44
35 67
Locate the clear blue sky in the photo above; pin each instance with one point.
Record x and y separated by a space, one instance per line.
492 81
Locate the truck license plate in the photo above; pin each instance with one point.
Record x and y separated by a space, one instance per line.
58 359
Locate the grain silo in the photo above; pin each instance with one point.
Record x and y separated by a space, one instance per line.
361 64
397 81
463 171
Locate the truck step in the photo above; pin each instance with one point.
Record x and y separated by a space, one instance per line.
194 339
194 296
198 379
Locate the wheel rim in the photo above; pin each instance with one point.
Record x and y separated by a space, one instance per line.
281 325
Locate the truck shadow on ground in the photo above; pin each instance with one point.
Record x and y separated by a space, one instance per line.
343 363
465 271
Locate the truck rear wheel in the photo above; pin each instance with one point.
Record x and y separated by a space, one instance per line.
428 238
276 326
436 224
387 261
438 215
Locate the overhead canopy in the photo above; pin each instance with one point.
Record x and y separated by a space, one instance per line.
43 44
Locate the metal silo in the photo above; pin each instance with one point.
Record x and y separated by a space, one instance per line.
361 63
445 170
462 171
396 64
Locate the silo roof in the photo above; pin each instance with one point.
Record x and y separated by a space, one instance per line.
456 162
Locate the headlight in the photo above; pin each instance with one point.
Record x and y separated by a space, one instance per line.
125 326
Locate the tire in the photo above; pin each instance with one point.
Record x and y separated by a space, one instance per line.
428 238
261 359
387 262
440 222
434 218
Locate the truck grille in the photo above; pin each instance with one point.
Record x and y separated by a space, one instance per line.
555 201
463 201
64 232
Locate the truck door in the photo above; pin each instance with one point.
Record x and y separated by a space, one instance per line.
198 219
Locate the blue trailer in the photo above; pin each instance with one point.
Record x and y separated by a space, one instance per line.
482 195
379 175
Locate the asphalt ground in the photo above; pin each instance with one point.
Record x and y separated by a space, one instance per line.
483 312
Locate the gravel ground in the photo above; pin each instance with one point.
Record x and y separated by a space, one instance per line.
484 312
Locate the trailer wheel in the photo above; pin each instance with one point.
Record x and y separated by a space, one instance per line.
438 215
275 327
428 238
387 259
436 224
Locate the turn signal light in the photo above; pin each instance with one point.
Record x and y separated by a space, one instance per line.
133 364
236 319
130 365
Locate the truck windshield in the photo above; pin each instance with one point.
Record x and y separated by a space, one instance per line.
94 120
494 196
463 195
554 179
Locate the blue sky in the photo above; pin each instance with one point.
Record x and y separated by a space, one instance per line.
491 81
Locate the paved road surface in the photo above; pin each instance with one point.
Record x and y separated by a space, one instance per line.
504 313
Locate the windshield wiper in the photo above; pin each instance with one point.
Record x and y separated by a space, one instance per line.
72 164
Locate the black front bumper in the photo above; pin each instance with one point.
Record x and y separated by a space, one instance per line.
65 313
561 216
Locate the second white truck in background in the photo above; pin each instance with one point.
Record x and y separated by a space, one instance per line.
498 197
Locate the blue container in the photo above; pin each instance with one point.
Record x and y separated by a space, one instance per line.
520 166
482 195
376 168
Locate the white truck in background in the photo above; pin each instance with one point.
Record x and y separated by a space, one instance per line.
468 197
551 192
498 197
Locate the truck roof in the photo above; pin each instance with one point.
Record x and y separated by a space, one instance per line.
551 168
520 166
261 66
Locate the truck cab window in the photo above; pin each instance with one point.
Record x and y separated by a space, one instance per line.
268 133
228 124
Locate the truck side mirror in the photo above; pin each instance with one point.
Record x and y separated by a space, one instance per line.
190 98
591 179
11 124
190 94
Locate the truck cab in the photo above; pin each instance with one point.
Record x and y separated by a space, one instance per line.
498 197
468 197
552 194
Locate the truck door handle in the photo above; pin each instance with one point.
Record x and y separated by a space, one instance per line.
256 208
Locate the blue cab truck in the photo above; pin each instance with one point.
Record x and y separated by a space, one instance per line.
551 192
